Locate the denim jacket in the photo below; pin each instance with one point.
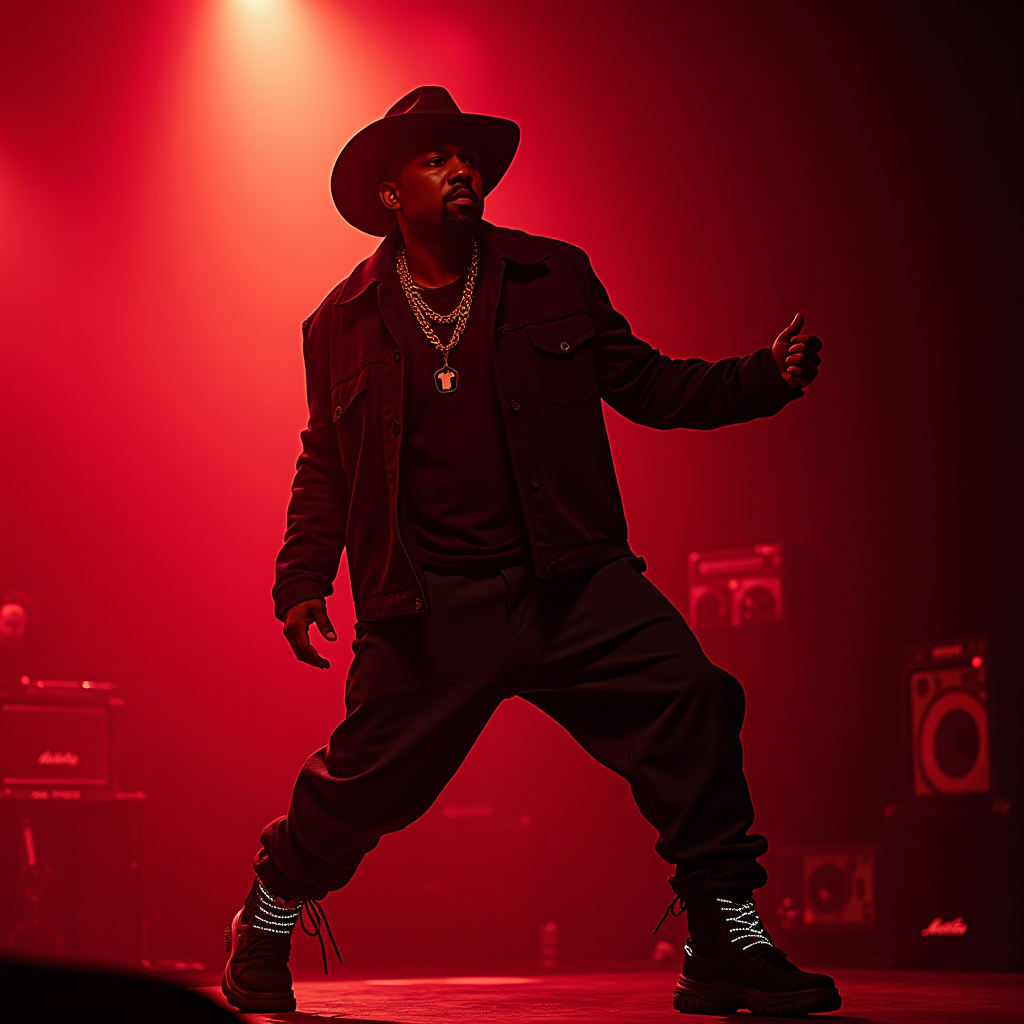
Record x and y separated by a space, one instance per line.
560 349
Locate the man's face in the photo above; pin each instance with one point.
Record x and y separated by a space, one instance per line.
435 184
13 621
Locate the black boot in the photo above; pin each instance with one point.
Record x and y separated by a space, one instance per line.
256 977
731 963
259 943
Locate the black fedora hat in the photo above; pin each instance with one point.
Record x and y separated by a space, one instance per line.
360 168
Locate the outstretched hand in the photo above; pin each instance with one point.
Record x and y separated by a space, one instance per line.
297 621
796 355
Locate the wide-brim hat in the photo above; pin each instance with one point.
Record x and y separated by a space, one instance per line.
361 166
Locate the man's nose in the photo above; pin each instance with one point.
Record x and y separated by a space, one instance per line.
459 172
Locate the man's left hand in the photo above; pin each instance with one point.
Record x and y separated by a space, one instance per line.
796 355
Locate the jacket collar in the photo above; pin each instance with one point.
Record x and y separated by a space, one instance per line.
501 243
509 244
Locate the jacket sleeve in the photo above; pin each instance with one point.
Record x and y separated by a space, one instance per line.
656 391
318 510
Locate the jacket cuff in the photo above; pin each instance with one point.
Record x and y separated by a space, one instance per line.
294 593
775 384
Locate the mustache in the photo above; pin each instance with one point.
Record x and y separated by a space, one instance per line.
454 193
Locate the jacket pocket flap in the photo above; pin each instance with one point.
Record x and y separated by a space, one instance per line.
344 393
562 336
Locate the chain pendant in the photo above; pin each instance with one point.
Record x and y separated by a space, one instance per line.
446 379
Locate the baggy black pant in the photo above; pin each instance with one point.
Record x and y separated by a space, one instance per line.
603 653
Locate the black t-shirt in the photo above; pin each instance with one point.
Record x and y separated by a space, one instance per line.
461 501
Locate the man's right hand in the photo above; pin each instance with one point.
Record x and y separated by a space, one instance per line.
297 621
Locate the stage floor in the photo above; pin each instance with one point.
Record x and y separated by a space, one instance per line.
892 997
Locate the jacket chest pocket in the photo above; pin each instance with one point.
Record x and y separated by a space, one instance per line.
567 367
345 393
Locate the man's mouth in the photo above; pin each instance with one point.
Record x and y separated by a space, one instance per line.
461 197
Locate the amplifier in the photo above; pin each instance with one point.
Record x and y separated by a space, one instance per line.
61 734
952 894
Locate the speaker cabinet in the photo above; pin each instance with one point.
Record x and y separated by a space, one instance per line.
70 876
949 894
964 719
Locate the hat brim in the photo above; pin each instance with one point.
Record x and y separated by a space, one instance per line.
361 165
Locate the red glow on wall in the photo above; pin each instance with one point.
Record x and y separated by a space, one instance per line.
167 224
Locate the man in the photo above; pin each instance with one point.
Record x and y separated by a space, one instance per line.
17 612
456 445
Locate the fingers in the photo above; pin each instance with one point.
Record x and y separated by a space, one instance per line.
803 360
802 352
810 342
323 623
802 377
296 631
802 363
298 638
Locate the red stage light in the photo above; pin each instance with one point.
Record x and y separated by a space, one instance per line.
977 661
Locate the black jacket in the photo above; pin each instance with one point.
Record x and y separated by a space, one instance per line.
559 349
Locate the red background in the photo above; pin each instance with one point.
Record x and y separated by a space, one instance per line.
167 224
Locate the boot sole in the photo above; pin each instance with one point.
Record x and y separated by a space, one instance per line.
245 999
717 997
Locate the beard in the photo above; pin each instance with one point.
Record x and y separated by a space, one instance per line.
460 222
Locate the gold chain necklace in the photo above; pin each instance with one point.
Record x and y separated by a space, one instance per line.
446 380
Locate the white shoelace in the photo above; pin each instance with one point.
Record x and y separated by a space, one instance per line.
745 927
272 918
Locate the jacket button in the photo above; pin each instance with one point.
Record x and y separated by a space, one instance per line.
502 330
397 356
418 604
564 346
515 405
534 482
396 427
337 412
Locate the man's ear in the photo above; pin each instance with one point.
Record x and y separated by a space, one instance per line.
389 195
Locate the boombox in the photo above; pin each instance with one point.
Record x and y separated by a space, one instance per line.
60 734
735 586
